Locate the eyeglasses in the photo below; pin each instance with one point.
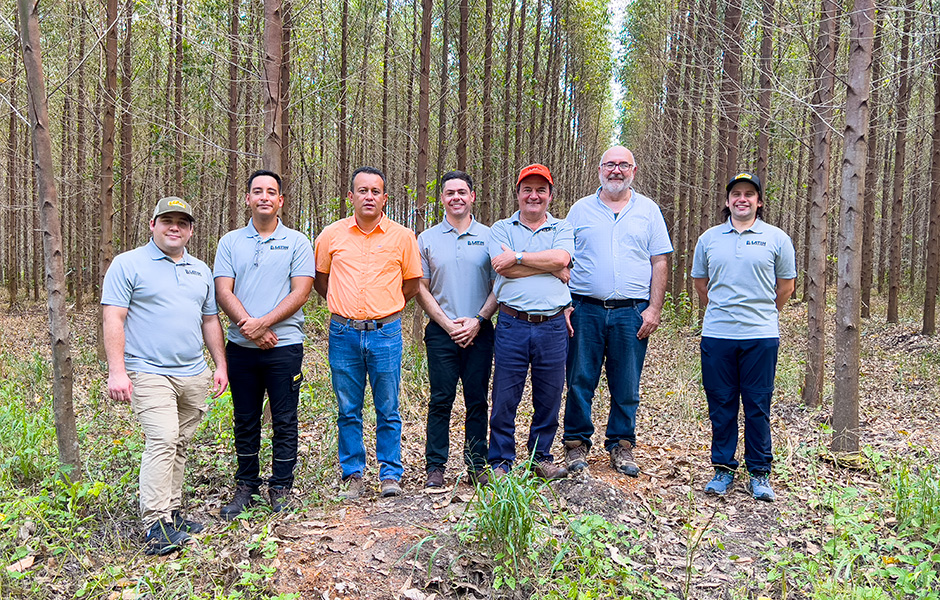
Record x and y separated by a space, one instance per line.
624 166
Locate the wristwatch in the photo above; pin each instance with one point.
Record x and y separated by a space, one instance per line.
481 319
518 258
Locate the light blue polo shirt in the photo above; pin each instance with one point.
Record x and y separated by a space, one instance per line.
457 266
541 294
262 269
742 271
612 252
165 303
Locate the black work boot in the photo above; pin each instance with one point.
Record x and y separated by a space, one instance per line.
279 496
185 525
244 497
163 538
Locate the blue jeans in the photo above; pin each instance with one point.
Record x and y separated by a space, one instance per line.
604 333
740 373
520 344
354 355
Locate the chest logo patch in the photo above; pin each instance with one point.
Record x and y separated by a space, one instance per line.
281 247
476 243
755 243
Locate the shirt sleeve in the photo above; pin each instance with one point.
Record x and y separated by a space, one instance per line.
302 262
410 257
222 267
785 261
659 234
118 286
564 237
425 259
499 236
322 251
700 261
210 307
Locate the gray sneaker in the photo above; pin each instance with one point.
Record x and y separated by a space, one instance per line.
354 487
759 486
621 459
720 483
576 453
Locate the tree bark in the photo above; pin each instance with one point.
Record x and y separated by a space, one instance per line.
486 189
442 103
106 175
273 109
900 155
729 99
424 114
462 83
766 55
871 176
854 165
933 244
818 219
12 270
343 166
177 99
231 169
64 415
128 239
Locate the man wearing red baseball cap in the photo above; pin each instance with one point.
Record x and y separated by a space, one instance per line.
530 252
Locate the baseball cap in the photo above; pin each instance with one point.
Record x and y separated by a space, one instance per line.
745 176
172 204
535 169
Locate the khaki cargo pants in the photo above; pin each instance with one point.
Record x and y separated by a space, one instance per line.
169 410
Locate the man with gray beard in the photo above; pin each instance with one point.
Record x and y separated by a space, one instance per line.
618 284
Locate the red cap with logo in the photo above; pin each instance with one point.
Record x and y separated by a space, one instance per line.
536 169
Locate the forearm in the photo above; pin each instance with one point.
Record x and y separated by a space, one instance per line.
701 288
785 289
658 282
546 261
430 305
519 271
113 329
489 307
291 303
231 305
409 288
214 339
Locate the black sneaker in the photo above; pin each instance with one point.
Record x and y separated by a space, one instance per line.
185 525
163 538
279 496
244 497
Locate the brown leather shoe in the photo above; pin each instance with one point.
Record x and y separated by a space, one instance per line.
546 469
390 488
576 455
435 478
354 487
621 459
478 477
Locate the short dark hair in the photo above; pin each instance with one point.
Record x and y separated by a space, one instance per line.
368 171
457 175
265 173
726 212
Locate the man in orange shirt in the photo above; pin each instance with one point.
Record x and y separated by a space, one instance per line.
368 267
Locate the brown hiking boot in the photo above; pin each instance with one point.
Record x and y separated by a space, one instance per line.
546 469
390 488
480 477
576 453
354 487
435 478
621 459
279 496
244 498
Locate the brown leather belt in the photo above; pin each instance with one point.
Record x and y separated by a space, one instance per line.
366 324
524 316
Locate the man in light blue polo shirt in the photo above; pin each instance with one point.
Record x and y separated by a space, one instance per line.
158 308
455 292
744 272
530 252
263 276
618 284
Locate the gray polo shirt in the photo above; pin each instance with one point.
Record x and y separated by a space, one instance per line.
742 271
457 266
612 252
539 294
165 303
262 269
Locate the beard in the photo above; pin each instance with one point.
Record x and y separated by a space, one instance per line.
617 186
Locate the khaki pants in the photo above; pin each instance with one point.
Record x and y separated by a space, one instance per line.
169 410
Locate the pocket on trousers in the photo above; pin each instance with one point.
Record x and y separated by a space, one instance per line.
296 381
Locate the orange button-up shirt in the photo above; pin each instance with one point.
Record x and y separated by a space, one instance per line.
367 269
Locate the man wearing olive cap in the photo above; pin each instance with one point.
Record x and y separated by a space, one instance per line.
744 271
530 252
158 309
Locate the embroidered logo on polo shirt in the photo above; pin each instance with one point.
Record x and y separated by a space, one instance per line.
192 272
755 243
275 247
476 243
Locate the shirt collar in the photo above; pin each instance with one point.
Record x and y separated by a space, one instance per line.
155 253
756 227
279 232
381 227
474 228
550 221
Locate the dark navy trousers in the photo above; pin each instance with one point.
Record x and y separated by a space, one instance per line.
740 373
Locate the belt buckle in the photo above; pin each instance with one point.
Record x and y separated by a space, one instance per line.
605 304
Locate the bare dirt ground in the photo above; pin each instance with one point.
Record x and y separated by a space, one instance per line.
407 547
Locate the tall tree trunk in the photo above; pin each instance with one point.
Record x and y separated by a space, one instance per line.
729 98
12 270
273 110
900 148
128 239
533 101
766 54
231 170
177 98
849 298
442 103
824 77
81 137
871 176
486 177
424 114
292 200
106 175
517 148
462 83
386 58
505 167
933 244
343 166
64 415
